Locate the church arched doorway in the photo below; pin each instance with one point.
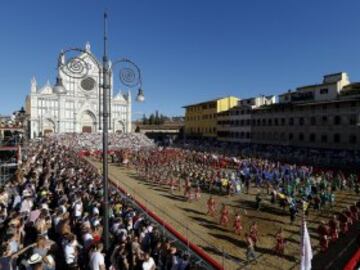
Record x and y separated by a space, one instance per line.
88 122
48 127
119 127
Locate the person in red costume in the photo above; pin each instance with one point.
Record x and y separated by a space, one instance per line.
280 242
211 205
334 225
224 220
344 223
197 193
349 215
324 233
237 224
355 212
254 232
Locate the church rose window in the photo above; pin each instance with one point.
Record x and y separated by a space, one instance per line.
88 84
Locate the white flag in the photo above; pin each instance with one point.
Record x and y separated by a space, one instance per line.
306 251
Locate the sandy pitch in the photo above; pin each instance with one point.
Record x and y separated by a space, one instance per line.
190 219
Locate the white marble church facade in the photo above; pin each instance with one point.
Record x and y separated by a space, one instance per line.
77 108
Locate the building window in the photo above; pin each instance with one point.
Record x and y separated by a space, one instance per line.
312 137
352 119
276 121
270 122
324 138
301 137
291 121
337 120
301 121
258 122
324 119
282 121
291 136
264 122
352 139
336 138
324 91
313 120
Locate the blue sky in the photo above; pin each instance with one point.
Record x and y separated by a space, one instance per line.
188 50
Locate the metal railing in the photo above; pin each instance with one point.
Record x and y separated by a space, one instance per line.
7 171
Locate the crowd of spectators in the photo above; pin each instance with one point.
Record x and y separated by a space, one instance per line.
93 141
51 218
343 159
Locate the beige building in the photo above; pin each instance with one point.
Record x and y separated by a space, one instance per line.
325 115
234 125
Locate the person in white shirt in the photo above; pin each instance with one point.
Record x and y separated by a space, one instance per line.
97 260
26 204
148 263
78 209
70 251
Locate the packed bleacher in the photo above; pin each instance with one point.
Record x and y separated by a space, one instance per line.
51 218
93 141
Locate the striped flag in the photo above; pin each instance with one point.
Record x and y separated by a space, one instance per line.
306 251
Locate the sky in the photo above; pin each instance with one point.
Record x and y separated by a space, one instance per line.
188 51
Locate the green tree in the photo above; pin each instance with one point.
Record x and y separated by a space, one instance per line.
162 119
152 119
157 119
145 121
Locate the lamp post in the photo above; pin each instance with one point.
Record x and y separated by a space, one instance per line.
130 76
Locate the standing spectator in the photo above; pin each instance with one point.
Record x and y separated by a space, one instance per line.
71 252
148 263
97 260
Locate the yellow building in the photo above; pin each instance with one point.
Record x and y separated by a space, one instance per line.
200 118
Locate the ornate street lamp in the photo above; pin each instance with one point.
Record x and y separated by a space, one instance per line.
130 76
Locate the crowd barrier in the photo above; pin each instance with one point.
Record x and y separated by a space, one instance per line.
197 250
353 262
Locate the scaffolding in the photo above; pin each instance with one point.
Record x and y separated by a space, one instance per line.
7 170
